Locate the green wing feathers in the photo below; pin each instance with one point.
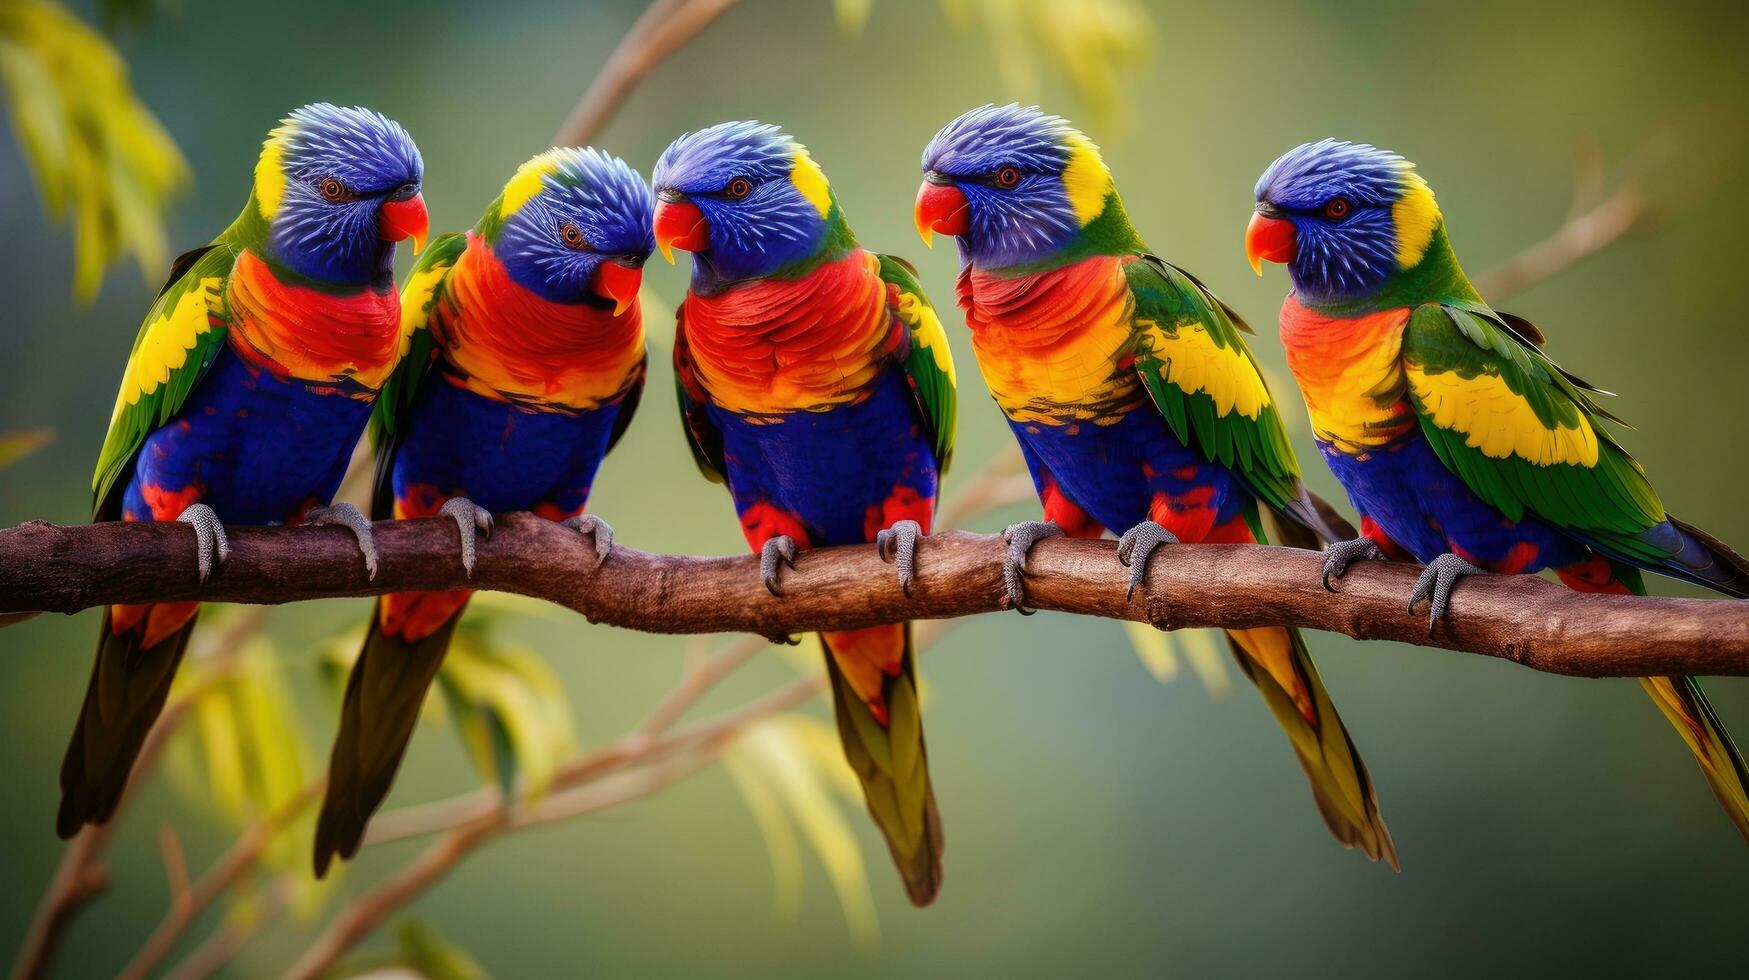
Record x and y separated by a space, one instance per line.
182 336
892 762
1521 432
1276 660
388 417
930 363
1193 360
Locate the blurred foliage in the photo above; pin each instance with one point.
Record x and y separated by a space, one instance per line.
20 443
791 771
1204 649
100 159
254 761
419 952
1092 42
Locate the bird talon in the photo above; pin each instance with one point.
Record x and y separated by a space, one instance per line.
778 549
1020 538
470 519
209 537
1137 546
897 545
1436 583
347 516
1340 554
598 530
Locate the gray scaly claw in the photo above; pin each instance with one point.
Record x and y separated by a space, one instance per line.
1340 554
209 535
898 544
781 548
1136 546
1435 585
596 528
347 516
1021 537
469 518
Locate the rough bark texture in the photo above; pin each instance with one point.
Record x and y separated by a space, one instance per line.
1522 619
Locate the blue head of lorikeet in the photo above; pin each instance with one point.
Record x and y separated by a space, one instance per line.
1344 218
1015 185
337 188
574 226
747 200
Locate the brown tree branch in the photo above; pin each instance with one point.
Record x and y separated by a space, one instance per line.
1522 619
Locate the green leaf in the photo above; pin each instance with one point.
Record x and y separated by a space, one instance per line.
14 446
426 953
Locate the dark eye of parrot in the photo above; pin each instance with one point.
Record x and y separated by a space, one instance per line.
1007 177
572 236
333 191
738 188
1336 209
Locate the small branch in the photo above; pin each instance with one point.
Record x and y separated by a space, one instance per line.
663 28
1518 618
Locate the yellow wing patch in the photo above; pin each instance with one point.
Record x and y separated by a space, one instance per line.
810 180
164 346
926 330
526 182
1086 179
416 301
1498 421
1192 360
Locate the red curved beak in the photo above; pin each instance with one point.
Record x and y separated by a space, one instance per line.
680 224
618 283
1269 238
943 208
405 219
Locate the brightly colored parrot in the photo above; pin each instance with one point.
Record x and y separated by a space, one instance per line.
1134 399
524 367
815 379
249 384
1460 442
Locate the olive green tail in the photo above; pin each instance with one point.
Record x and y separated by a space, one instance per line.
1689 712
1276 660
383 698
893 764
128 687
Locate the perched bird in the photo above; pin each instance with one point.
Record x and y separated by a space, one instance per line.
1463 446
814 378
525 363
1136 404
249 384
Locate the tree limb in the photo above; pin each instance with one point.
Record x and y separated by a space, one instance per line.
1523 619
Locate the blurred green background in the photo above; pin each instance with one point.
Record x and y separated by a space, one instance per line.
1098 821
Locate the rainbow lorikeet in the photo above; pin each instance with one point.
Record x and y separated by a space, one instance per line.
248 387
524 368
1460 442
1130 390
815 379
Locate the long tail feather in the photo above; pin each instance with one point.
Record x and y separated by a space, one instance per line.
128 687
383 698
890 758
1681 699
1276 660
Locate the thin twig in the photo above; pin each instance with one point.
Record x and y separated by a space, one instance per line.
663 28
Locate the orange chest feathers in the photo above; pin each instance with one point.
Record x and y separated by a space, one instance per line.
1350 370
350 339
808 344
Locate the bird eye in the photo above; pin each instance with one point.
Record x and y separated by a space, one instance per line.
1336 209
1007 177
334 191
572 236
738 188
